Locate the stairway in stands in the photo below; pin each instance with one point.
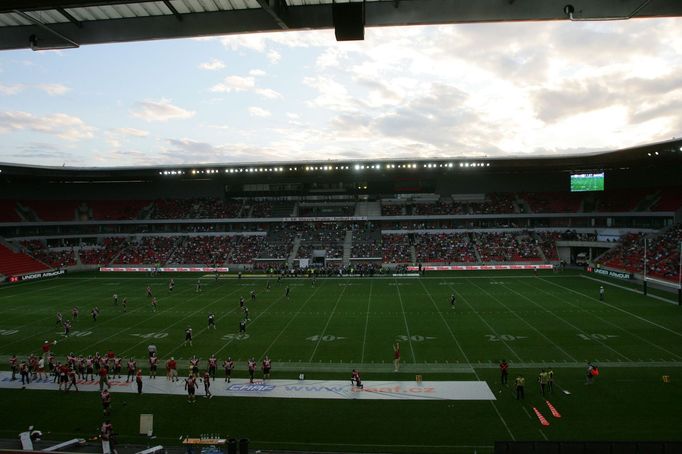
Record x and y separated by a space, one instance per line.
14 263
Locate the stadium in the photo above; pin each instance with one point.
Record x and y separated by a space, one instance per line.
420 303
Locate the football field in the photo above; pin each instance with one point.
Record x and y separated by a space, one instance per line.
553 320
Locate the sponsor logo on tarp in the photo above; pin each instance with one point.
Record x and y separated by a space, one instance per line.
480 267
251 387
610 273
165 269
34 276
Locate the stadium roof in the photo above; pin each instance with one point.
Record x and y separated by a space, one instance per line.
42 24
662 155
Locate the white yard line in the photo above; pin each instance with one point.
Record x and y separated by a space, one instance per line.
324 330
407 328
617 308
528 324
489 326
643 339
202 309
629 289
290 320
566 322
50 333
364 335
466 358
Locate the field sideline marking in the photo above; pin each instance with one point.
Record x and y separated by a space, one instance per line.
364 335
290 320
85 316
558 347
618 308
588 312
630 289
488 325
402 308
281 298
324 330
99 341
203 308
566 322
40 321
466 358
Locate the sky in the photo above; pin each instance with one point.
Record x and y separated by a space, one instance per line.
474 90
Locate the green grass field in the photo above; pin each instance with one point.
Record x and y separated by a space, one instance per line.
550 320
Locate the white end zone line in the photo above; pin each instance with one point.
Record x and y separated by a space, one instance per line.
630 289
617 308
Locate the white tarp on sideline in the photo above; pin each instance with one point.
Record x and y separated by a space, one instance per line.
294 389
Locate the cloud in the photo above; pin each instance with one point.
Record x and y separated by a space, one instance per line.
243 84
64 126
259 112
274 56
132 132
257 72
234 83
53 89
9 90
212 65
268 93
161 110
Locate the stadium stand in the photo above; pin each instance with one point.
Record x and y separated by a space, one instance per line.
149 250
444 248
8 211
506 247
103 253
116 210
51 210
396 248
15 263
56 258
547 243
202 250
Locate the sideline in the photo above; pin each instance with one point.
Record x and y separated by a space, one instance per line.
629 289
287 389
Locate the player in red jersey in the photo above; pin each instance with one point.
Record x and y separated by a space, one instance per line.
138 380
23 371
106 401
194 365
72 380
172 369
190 387
63 376
212 365
207 386
396 357
228 365
504 371
153 363
74 313
132 365
14 365
103 378
149 291
118 365
252 368
355 379
267 365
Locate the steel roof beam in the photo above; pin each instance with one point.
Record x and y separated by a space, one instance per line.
276 9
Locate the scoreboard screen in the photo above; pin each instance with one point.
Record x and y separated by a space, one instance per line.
582 182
